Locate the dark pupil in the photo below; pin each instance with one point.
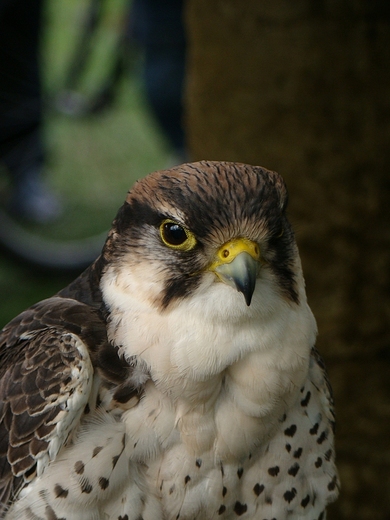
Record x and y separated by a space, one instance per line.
174 234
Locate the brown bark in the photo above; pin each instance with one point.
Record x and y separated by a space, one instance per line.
303 88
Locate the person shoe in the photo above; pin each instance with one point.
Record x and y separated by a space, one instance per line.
33 200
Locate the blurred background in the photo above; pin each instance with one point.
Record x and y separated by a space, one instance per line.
96 126
299 87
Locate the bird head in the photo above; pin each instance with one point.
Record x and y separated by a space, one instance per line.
200 226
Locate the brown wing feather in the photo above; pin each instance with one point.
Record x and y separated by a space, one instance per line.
40 351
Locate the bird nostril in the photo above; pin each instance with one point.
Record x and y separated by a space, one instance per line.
225 253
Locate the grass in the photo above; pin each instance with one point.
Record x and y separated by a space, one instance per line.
92 161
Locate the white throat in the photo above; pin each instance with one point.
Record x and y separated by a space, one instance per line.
209 332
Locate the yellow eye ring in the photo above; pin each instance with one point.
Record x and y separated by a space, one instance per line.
176 236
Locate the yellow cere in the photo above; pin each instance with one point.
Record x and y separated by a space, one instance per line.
230 250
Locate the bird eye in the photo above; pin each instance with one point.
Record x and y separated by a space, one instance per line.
176 236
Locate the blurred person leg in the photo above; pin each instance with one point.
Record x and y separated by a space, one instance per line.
159 30
21 142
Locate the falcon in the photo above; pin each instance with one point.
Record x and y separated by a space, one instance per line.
176 378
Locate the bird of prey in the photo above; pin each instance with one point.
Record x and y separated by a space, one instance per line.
176 378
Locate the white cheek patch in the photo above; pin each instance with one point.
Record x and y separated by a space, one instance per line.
140 282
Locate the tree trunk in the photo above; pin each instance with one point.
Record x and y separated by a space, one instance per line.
303 88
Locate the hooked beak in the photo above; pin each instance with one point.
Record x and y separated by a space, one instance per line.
236 264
